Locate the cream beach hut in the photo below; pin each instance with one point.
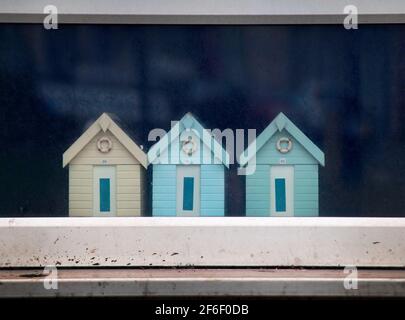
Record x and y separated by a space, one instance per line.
106 172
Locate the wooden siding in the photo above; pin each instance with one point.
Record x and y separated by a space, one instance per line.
258 192
129 186
269 154
117 155
306 203
168 149
164 190
128 193
212 190
80 190
305 179
144 186
306 191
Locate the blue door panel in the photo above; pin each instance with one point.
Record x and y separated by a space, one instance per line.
188 193
280 195
104 195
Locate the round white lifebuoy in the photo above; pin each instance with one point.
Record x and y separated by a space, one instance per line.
282 141
186 146
104 144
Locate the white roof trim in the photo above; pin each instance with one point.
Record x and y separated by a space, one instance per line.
218 151
104 123
278 124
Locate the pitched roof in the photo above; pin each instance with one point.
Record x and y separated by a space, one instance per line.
104 123
189 122
278 124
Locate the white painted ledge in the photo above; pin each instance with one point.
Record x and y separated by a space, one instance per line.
202 282
204 12
208 7
242 241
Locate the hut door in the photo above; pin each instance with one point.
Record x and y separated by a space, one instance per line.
104 191
282 191
188 190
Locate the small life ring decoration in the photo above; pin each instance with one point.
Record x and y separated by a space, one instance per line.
287 145
189 146
104 144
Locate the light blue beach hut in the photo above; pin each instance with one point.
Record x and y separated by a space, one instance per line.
283 163
188 172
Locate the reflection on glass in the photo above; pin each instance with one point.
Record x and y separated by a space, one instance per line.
344 89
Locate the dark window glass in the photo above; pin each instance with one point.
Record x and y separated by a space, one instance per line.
343 89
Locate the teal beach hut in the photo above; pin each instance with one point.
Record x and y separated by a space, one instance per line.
284 172
188 172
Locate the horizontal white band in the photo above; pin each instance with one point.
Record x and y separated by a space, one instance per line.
228 241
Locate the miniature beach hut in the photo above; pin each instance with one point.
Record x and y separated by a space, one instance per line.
106 172
188 172
284 165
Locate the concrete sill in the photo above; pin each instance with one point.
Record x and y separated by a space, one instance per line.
268 282
202 242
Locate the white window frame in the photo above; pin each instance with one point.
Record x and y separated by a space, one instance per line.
369 242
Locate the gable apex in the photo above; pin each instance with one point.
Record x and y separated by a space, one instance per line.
188 122
281 122
104 123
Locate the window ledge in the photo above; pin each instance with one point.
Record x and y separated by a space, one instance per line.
202 242
204 12
202 282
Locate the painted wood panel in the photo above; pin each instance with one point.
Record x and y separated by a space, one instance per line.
306 191
129 197
128 174
130 182
212 197
258 192
164 190
91 155
80 190
143 195
81 182
81 197
132 204
129 190
126 212
81 174
212 190
80 204
269 154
